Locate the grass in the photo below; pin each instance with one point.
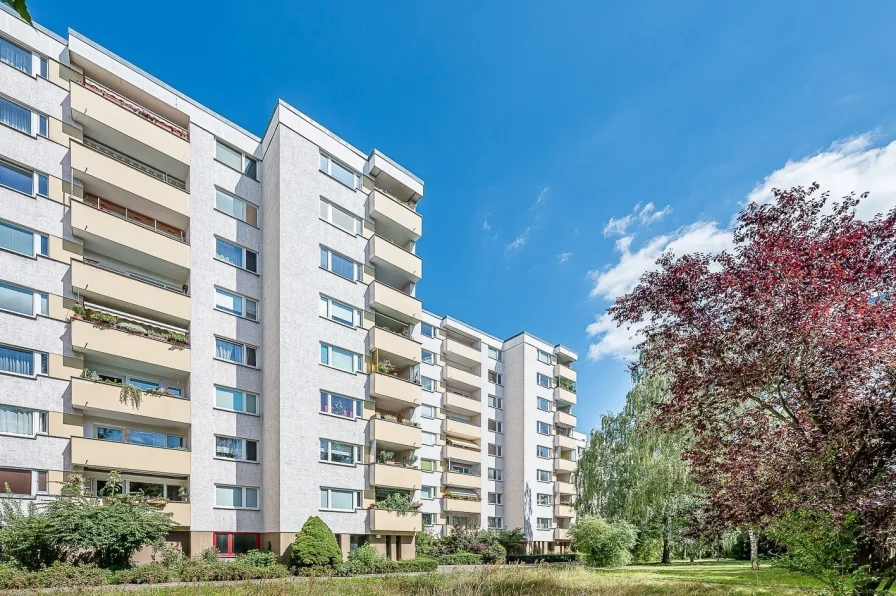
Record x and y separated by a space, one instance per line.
708 578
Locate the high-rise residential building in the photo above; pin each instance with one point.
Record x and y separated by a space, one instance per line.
232 323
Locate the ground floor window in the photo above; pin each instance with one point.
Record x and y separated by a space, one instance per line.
231 544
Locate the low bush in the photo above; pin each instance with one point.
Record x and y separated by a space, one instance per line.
195 570
418 564
259 558
545 558
153 573
57 575
604 543
364 559
461 558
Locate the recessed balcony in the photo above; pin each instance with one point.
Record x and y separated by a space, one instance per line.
564 488
460 352
395 393
394 303
108 455
181 513
562 394
461 403
399 350
565 442
564 466
562 418
392 476
562 534
385 521
383 253
102 400
132 349
462 378
561 370
461 454
389 434
381 206
462 480
462 505
464 430
562 510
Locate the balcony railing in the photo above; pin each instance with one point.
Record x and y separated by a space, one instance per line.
141 278
135 218
106 317
406 204
136 164
137 109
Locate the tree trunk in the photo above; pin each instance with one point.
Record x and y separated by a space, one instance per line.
666 554
754 548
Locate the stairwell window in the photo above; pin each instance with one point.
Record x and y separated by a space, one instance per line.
495 426
22 241
236 497
235 400
27 363
427 330
341 359
544 523
235 304
495 499
24 180
23 422
236 159
495 450
342 173
236 449
495 523
543 499
23 301
427 357
340 265
496 378
495 354
236 207
496 474
428 492
339 312
235 352
428 384
496 402
339 217
236 255
429 438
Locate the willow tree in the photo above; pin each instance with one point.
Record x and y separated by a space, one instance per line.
633 470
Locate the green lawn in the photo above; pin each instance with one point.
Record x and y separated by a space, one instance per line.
707 578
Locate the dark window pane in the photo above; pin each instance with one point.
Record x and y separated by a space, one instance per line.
250 357
243 543
19 481
41 482
221 543
252 261
17 178
251 451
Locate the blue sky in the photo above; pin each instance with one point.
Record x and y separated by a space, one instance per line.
536 124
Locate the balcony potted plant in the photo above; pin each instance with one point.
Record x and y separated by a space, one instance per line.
179 339
409 460
78 311
385 457
385 367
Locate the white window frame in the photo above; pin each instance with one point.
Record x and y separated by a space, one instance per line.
245 300
544 526
246 348
329 206
245 252
541 401
432 461
496 474
538 449
357 499
39 301
245 490
358 269
327 169
544 357
40 243
499 450
246 206
423 326
245 394
498 354
244 159
357 359
426 437
496 402
497 424
538 426
427 357
325 311
243 449
429 519
550 475
40 422
38 125
495 498
495 523
424 381
40 363
549 498
498 378
357 406
432 491
428 411
357 455
38 179
543 380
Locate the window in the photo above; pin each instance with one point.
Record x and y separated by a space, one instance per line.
21 482
43 125
495 474
495 523
105 433
341 359
427 330
339 453
428 492
340 499
236 207
461 469
22 362
543 499
545 357
236 449
543 428
231 544
495 426
429 438
15 116
543 380
236 304
16 56
544 405
429 519
496 378
236 255
339 217
22 241
428 357
236 497
342 173
22 422
544 476
236 352
236 400
154 439
544 523
495 499
340 265
236 159
339 405
24 180
428 384
339 312
427 465
22 300
495 450
495 354
428 411
496 402
543 452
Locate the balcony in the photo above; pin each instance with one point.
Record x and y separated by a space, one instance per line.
461 454
401 351
106 172
461 352
561 370
463 430
392 302
96 453
461 403
562 418
386 475
562 534
567 511
181 513
120 291
395 393
562 394
463 379
102 399
383 253
564 488
564 466
565 442
385 521
138 350
388 433
462 480
467 505
101 109
382 206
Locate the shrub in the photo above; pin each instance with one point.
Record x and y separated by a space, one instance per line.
603 543
397 502
418 564
364 559
23 538
259 558
315 545
488 547
62 575
195 570
648 550
461 558
545 558
153 573
132 327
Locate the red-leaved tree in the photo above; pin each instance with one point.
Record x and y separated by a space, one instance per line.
781 356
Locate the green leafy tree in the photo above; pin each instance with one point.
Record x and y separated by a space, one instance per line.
315 545
603 543
634 471
20 7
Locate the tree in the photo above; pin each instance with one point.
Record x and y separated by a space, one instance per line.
20 7
603 543
780 359
315 545
632 470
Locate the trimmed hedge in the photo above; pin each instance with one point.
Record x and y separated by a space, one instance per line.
58 575
461 558
545 558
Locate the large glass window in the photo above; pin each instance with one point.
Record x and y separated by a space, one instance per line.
236 497
341 359
20 421
21 240
339 312
20 481
14 115
340 172
105 433
236 449
231 544
16 299
236 207
15 56
340 265
340 453
236 304
235 400
339 499
339 405
236 255
340 218
16 178
236 352
236 159
20 362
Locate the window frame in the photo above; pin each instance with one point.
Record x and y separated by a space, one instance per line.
430 461
544 527
357 455
230 554
357 359
357 499
550 358
40 422
426 517
498 450
244 159
549 499
38 178
39 242
496 474
433 384
357 405
433 492
539 425
244 252
498 378
358 183
495 402
246 347
497 424
495 498
539 377
245 300
245 398
425 435
357 313
358 268
538 452
38 122
39 362
244 449
423 326
245 490
539 401
246 206
431 356
423 411
39 301
499 354
495 523
330 206
538 475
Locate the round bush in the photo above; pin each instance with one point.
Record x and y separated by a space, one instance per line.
315 546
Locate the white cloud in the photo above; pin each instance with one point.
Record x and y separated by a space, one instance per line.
486 227
541 197
518 243
645 215
614 342
563 257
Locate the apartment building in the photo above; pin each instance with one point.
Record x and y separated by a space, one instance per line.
165 279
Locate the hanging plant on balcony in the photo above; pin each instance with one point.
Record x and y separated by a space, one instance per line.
131 394
101 317
178 338
132 328
90 375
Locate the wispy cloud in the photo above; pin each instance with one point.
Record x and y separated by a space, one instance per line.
486 227
542 196
645 215
563 257
518 243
